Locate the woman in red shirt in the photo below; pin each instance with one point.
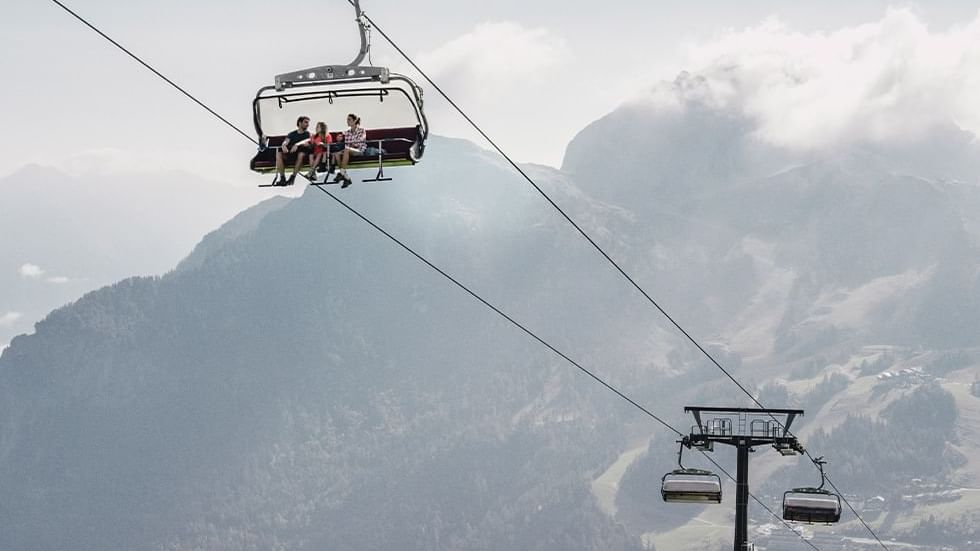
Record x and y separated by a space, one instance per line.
321 148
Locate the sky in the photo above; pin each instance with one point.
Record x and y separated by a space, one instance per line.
532 72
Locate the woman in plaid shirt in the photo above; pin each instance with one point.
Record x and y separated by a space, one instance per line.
355 142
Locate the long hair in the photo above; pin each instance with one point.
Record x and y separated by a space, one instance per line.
357 120
320 125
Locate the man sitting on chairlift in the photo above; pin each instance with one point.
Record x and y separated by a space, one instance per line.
296 143
355 144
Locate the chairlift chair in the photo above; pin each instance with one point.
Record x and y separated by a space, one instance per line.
691 486
812 505
390 105
685 485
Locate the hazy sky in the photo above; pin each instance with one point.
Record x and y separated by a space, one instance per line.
534 72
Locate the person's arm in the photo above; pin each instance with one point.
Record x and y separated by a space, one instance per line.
285 145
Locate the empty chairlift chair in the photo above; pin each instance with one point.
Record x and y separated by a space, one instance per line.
812 505
690 485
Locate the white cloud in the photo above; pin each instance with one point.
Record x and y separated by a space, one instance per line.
8 319
887 81
495 58
495 72
32 271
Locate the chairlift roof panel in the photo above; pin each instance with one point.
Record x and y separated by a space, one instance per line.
691 486
812 505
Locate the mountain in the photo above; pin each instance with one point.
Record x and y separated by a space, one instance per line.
301 382
305 384
844 280
68 234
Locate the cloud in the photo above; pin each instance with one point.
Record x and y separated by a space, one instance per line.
8 319
494 73
888 81
32 271
494 58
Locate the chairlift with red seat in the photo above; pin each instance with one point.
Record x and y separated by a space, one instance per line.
389 104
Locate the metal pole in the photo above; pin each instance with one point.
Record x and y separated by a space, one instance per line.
742 498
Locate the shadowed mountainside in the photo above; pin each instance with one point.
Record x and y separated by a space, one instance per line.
299 382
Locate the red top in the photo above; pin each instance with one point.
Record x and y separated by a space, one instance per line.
321 145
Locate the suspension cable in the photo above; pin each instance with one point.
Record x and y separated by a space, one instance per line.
545 343
155 72
453 280
591 241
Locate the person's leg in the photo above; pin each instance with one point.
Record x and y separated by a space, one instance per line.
342 159
314 163
300 157
343 167
337 158
280 165
299 162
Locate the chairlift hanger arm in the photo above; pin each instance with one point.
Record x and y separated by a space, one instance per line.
362 28
340 72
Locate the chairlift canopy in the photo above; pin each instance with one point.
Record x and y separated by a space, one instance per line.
691 486
811 505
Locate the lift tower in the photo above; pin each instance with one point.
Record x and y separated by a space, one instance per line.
744 429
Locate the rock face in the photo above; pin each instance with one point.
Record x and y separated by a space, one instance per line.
299 382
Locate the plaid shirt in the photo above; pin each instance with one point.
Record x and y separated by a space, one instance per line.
355 138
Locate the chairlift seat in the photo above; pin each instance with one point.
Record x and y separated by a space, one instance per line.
811 505
397 143
691 486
